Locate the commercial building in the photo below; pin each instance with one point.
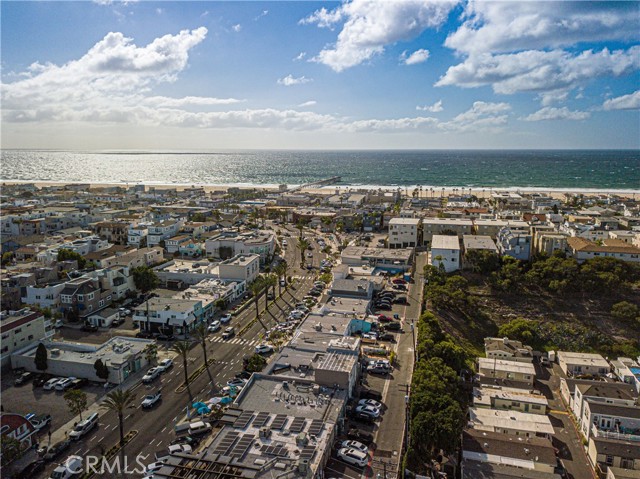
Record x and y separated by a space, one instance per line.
168 315
385 259
123 356
243 267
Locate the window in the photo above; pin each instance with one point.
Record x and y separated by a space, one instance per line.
17 331
609 460
30 338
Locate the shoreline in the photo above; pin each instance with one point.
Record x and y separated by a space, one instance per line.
427 190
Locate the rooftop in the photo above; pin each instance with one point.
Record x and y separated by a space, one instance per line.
504 365
445 242
536 449
488 419
479 242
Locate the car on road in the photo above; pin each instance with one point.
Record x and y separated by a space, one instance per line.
214 326
40 422
264 348
225 318
165 365
55 450
24 378
151 400
353 457
151 375
370 411
236 382
84 427
243 375
65 384
370 402
358 446
228 333
180 448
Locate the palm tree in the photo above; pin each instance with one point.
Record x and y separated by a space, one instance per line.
182 348
303 244
117 401
256 288
202 334
300 226
280 270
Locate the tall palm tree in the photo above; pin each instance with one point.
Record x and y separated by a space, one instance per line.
182 348
300 226
256 288
117 401
303 244
202 334
280 270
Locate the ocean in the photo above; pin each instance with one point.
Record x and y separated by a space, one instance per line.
580 170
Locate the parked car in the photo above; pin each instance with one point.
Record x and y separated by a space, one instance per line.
165 365
154 467
214 326
398 281
243 375
370 394
370 411
225 318
64 384
31 470
42 421
191 440
360 436
55 450
387 337
151 375
393 326
383 307
384 319
228 333
79 383
151 400
353 457
24 378
89 327
51 384
180 448
39 380
264 348
358 446
144 334
401 300
399 287
236 382
165 337
370 402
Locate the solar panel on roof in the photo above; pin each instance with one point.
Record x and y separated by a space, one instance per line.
316 427
243 445
279 421
279 451
261 419
297 425
308 452
226 442
243 420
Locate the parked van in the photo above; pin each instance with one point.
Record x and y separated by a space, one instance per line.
84 427
71 467
199 427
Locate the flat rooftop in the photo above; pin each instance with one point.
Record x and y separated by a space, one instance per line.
591 359
485 470
445 242
479 242
489 419
509 366
403 254
189 266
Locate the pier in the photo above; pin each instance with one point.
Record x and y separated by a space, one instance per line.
315 184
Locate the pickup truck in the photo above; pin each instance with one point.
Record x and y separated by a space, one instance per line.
150 400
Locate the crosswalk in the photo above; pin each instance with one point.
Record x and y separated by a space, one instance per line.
218 339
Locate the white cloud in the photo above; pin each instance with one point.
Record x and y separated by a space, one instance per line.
237 27
537 71
307 103
370 25
167 102
624 102
159 11
113 75
551 113
554 96
290 80
419 56
481 116
263 14
300 56
391 125
514 26
435 108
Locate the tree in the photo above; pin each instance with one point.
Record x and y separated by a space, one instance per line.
182 348
202 334
280 272
145 278
7 257
68 255
102 371
555 209
41 358
482 261
522 330
76 401
117 401
256 363
256 288
220 304
625 310
303 244
11 449
151 353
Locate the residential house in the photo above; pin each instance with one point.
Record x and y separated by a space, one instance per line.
113 231
617 421
509 349
604 453
599 391
505 369
227 244
137 258
162 231
513 423
586 364
104 318
514 243
44 296
476 243
83 296
445 252
582 250
172 245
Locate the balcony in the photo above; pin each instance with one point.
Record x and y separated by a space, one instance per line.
619 436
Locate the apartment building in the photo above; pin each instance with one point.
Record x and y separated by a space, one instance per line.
514 243
504 369
405 232
439 226
582 250
445 252
575 364
228 244
113 231
20 329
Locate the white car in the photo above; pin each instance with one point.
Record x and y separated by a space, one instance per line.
354 457
295 314
214 326
65 384
373 412
152 374
151 399
165 365
358 446
264 348
154 467
225 318
370 402
180 448
51 383
236 382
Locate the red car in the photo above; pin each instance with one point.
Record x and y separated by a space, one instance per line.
384 319
399 281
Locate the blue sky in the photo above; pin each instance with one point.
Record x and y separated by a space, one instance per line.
321 75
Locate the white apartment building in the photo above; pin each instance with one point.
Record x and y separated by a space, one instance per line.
445 250
230 243
168 315
240 267
405 232
163 230
47 296
137 234
20 329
